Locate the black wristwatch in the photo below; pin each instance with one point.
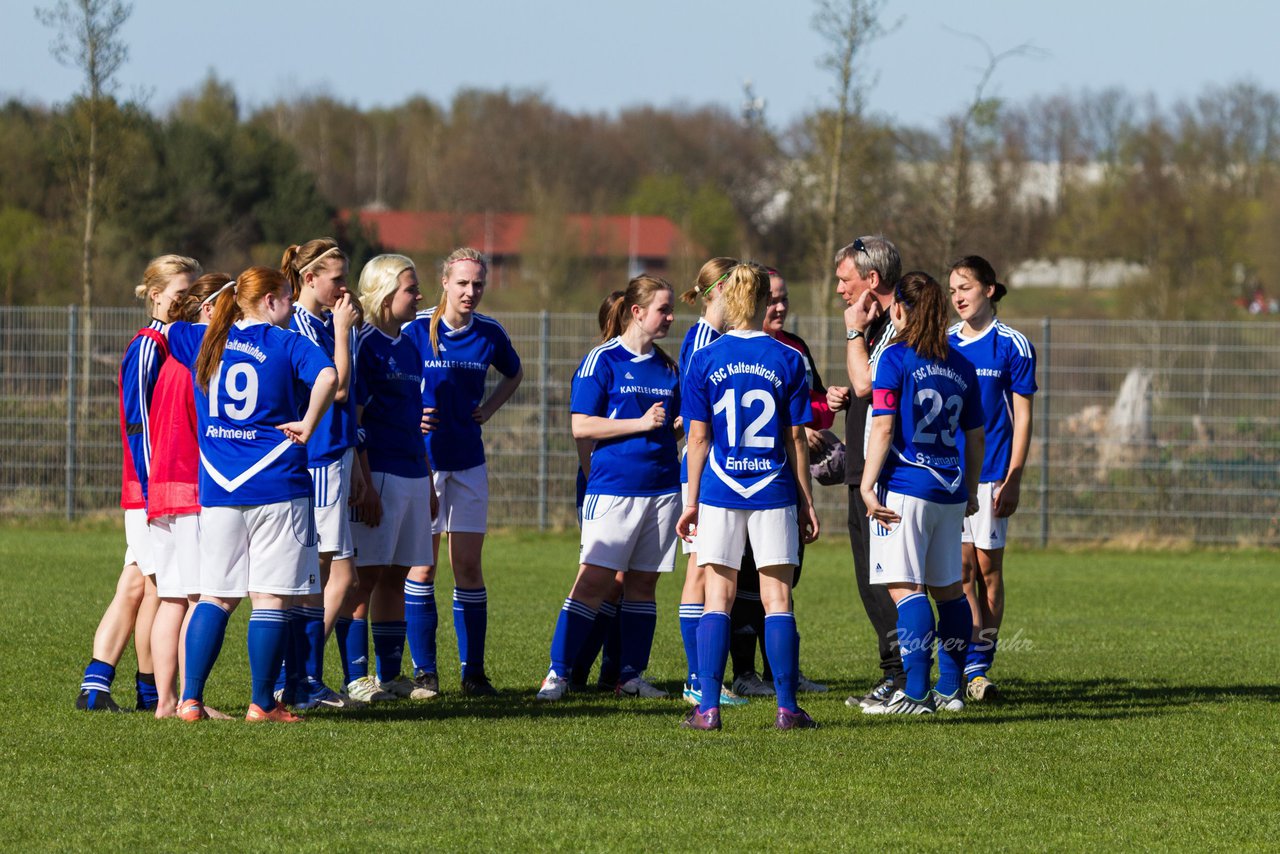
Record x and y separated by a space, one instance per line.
854 334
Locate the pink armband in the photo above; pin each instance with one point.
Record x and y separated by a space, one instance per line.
884 398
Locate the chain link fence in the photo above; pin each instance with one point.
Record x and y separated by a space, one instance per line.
1145 432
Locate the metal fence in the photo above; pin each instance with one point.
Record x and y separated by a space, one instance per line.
1144 431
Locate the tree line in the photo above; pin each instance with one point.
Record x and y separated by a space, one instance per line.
1187 190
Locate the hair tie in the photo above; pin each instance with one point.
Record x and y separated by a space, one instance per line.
899 296
213 296
316 260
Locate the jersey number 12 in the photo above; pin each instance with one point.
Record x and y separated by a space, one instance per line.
751 438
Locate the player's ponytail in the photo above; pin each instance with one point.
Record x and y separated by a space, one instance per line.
298 260
606 308
249 288
745 296
925 330
983 273
464 254
712 273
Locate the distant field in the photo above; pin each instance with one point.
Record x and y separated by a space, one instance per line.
1142 713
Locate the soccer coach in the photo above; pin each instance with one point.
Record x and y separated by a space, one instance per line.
866 271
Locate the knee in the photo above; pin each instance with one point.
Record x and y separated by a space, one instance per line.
640 586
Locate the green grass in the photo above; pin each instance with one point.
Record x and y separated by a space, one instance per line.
1142 713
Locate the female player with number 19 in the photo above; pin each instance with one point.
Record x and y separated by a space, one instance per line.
260 391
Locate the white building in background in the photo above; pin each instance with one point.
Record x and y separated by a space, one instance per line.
1075 273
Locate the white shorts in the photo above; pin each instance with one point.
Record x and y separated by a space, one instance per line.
723 533
464 501
923 548
137 538
403 537
268 548
690 547
175 545
983 529
622 532
332 487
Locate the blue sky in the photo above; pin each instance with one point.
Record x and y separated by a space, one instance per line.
600 55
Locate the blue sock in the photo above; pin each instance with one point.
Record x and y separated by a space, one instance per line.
470 621
713 652
269 630
295 653
353 640
981 654
313 659
638 622
601 628
690 615
782 641
421 620
611 655
341 630
205 631
572 627
955 624
147 693
915 643
98 677
388 648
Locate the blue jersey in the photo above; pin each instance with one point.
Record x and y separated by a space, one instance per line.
336 432
453 383
613 382
1006 365
388 384
934 402
264 380
699 335
138 373
750 390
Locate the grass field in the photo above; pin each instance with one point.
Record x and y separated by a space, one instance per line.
1142 713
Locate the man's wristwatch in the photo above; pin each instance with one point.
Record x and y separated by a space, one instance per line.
854 334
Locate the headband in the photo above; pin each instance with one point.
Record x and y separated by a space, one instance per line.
316 260
213 296
713 284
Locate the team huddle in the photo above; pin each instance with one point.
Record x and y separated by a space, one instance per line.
291 442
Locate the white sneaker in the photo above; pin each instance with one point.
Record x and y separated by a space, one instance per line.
366 690
638 687
901 704
943 703
553 687
426 686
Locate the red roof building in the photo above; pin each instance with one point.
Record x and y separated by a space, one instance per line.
648 243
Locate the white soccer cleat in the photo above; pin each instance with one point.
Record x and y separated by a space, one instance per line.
901 704
553 687
366 690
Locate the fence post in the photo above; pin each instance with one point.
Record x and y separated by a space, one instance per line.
73 335
544 412
1044 433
